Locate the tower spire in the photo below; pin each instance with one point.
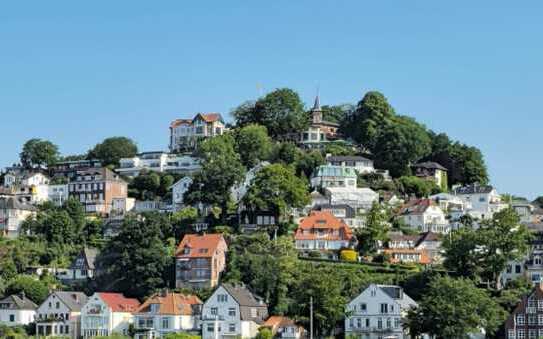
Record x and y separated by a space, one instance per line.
317 105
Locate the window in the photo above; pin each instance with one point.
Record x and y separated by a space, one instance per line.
210 327
363 307
509 269
540 305
232 328
12 317
532 303
254 313
57 305
165 323
379 323
389 322
367 322
214 310
232 312
511 334
384 308
532 334
397 322
540 319
520 333
359 322
520 319
532 319
222 298
518 268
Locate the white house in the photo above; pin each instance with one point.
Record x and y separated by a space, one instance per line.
167 312
322 231
232 310
360 199
17 310
186 133
12 215
484 200
377 312
60 314
333 176
179 189
107 313
360 164
57 194
158 162
424 215
82 267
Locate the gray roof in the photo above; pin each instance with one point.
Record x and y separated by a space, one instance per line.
473 189
430 165
11 203
346 158
19 302
397 293
349 210
89 254
247 301
73 300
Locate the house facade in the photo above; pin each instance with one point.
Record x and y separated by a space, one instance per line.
322 231
60 314
284 328
107 313
185 133
232 311
326 176
378 312
165 313
360 164
526 320
96 188
361 199
12 215
82 268
200 260
17 309
158 162
483 199
319 131
57 194
344 212
431 171
424 215
179 189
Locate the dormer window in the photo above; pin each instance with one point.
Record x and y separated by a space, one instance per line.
154 308
186 250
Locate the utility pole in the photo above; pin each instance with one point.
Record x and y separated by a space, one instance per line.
310 317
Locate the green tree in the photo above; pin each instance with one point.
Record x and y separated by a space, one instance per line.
253 144
399 144
33 288
338 148
111 150
281 112
539 201
336 113
38 152
366 123
421 188
264 333
181 336
376 231
182 221
134 262
462 253
276 188
221 169
307 162
454 308
286 153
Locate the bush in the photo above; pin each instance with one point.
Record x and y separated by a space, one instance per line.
348 255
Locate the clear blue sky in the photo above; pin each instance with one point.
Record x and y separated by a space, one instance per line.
76 72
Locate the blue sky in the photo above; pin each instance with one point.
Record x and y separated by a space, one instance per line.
76 72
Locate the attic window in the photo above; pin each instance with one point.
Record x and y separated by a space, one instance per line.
321 221
203 250
186 250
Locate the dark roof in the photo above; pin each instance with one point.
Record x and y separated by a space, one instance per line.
73 300
398 236
89 254
416 206
11 203
19 302
430 165
349 210
243 296
335 158
105 172
473 189
428 236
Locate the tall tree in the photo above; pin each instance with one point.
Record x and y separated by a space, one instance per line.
399 144
371 116
221 169
336 113
454 309
281 111
253 144
375 233
38 152
134 262
111 150
276 188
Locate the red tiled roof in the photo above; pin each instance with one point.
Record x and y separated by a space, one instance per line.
119 303
417 206
210 117
201 246
179 122
323 220
171 303
275 322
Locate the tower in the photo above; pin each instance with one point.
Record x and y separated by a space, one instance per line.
316 112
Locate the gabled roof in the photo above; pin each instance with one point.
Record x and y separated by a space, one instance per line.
397 293
209 117
243 296
473 189
416 206
428 236
119 303
172 304
89 254
276 322
326 221
19 302
201 246
73 300
179 122
340 158
429 165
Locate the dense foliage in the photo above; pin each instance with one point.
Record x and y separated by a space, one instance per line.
38 152
111 150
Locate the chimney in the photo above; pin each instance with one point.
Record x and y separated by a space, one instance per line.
22 295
